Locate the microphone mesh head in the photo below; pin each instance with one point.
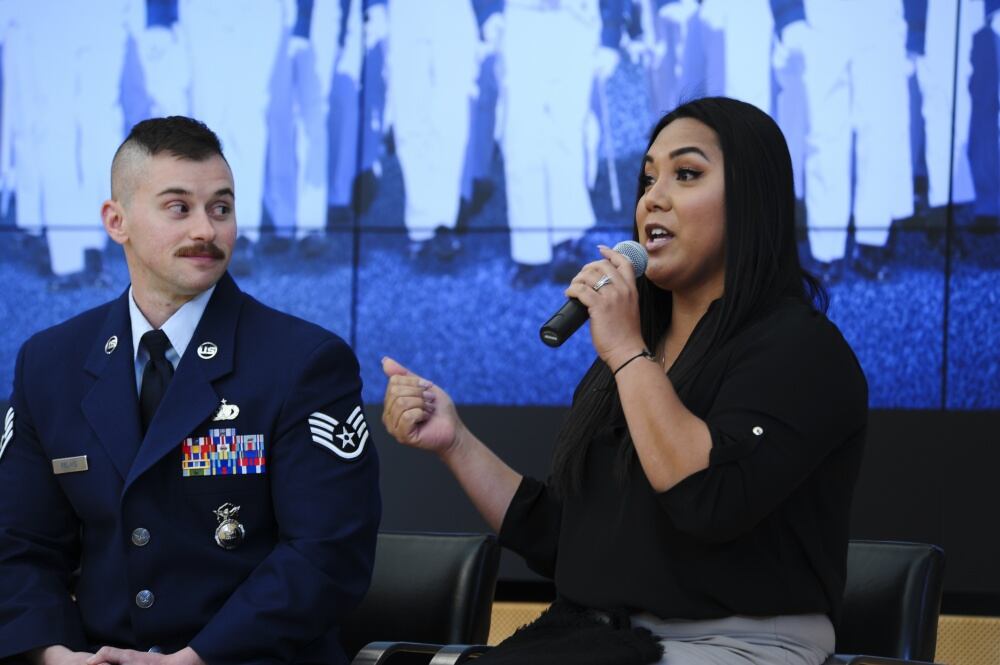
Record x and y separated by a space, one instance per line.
635 253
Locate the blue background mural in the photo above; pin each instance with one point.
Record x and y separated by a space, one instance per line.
423 178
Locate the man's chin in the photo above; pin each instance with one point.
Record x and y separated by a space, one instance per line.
201 282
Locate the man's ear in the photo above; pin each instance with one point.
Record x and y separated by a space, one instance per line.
113 216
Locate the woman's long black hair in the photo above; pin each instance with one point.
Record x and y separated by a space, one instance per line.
761 267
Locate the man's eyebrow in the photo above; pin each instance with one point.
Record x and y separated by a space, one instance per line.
180 191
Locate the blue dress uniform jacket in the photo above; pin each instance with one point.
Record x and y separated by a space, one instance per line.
132 538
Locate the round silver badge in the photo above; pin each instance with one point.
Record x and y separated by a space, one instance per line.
230 533
207 350
111 344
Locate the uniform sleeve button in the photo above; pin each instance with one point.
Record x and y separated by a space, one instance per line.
140 537
758 430
144 599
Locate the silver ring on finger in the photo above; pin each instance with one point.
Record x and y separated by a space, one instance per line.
602 282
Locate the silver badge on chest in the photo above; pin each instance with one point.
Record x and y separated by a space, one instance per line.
207 350
230 533
226 411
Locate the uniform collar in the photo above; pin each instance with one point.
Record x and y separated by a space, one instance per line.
179 328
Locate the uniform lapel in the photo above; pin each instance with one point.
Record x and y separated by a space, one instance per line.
191 397
112 405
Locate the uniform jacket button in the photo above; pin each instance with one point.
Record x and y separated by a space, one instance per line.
140 537
144 599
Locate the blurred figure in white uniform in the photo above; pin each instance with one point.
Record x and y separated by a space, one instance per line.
63 119
232 51
299 141
550 55
431 69
856 83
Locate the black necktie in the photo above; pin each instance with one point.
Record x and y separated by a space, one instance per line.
156 376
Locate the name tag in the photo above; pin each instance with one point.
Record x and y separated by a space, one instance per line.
69 464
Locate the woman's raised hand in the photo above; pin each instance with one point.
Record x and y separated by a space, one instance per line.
417 413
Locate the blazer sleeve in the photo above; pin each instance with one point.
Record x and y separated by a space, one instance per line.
790 397
326 501
39 537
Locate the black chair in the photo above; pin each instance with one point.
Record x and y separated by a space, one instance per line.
428 589
892 600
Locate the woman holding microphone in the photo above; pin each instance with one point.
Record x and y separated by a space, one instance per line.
697 510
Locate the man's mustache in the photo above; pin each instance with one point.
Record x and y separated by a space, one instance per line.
202 249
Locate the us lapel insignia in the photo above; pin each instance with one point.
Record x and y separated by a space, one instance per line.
111 344
226 411
207 350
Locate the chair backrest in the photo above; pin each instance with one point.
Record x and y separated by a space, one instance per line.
891 600
427 587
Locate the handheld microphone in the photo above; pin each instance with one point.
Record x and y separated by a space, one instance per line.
571 316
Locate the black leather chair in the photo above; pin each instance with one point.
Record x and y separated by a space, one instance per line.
892 599
428 589
891 603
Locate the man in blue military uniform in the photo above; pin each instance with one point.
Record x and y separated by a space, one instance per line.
186 475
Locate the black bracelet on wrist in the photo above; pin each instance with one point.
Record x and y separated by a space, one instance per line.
642 354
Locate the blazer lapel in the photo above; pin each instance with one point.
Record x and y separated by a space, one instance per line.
111 407
191 398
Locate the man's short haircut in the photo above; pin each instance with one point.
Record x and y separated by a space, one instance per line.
182 137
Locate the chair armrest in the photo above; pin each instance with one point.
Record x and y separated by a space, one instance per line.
844 659
453 654
379 653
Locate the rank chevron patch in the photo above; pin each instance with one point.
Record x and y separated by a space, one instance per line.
347 439
8 430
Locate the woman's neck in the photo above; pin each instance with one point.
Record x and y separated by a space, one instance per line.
686 312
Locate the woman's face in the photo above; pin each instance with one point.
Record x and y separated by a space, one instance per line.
681 216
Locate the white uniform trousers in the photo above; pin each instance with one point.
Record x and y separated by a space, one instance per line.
856 73
432 69
548 73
